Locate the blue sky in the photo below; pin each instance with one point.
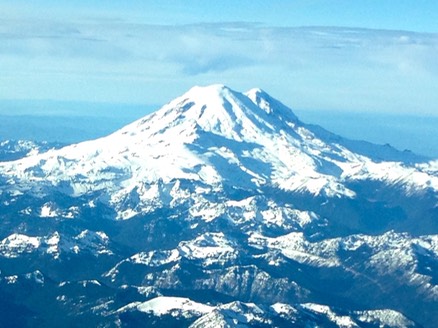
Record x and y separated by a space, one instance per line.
336 55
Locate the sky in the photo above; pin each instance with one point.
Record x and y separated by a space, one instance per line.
346 55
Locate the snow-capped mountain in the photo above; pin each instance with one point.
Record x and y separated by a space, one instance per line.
232 208
197 134
217 138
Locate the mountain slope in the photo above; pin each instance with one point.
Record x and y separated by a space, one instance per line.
217 137
219 200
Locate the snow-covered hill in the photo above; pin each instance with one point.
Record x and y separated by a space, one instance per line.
221 208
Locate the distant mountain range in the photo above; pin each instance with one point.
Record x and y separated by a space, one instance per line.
221 209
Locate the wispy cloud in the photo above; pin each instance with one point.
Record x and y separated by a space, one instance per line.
310 67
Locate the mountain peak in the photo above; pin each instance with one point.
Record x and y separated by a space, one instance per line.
222 111
215 136
208 94
211 88
257 92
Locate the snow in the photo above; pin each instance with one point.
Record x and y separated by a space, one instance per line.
86 283
155 258
208 211
16 244
36 276
387 318
11 279
296 247
390 254
48 212
212 136
210 248
54 244
94 242
188 155
166 305
340 321
415 178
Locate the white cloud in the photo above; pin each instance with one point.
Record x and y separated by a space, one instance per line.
319 67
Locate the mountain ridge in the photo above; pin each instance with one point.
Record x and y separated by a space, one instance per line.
223 201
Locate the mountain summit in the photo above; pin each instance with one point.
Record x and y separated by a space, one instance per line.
218 137
221 111
221 209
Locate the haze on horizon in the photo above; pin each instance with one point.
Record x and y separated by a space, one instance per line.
369 56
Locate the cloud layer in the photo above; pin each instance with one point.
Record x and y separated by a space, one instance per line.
309 67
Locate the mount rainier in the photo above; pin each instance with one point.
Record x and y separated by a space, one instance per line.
221 209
